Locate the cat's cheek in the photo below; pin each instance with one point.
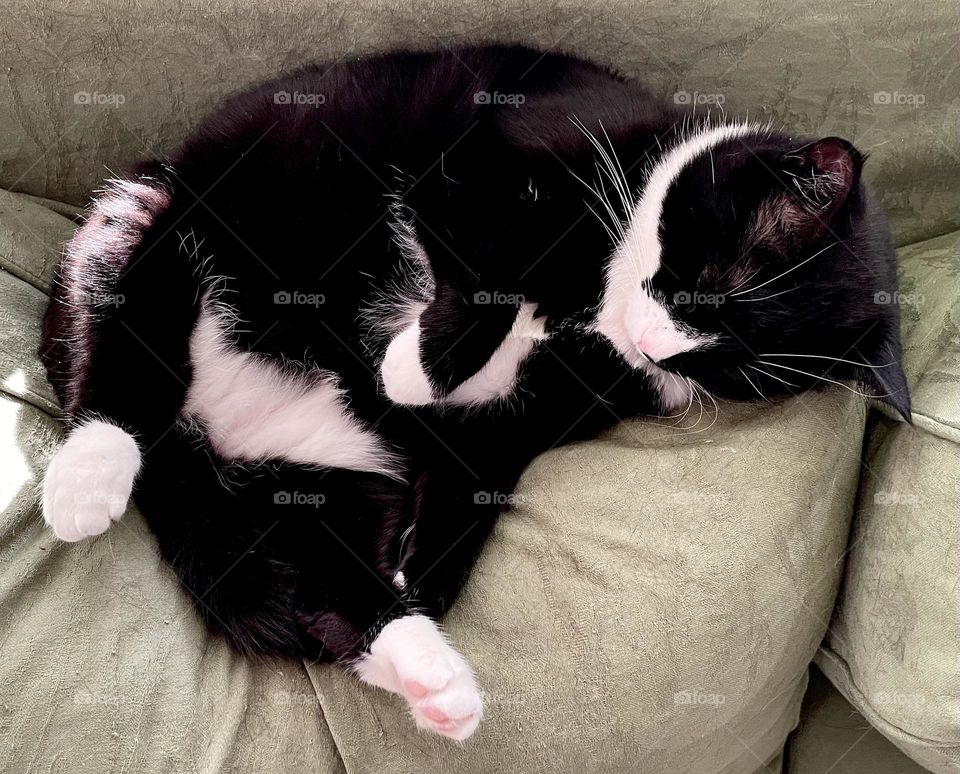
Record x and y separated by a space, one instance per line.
404 380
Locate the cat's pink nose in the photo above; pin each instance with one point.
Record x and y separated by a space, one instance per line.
644 346
658 344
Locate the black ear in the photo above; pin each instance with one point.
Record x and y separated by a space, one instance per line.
885 379
823 172
813 182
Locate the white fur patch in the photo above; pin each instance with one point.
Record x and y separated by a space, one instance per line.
411 657
254 410
405 381
637 324
498 377
89 480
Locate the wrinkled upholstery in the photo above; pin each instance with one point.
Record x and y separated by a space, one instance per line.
656 597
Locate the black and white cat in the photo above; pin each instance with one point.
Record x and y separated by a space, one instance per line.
320 343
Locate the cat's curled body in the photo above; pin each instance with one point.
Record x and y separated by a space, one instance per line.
233 329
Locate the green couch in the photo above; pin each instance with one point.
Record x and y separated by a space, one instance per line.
656 600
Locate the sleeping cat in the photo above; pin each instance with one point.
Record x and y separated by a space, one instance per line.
320 343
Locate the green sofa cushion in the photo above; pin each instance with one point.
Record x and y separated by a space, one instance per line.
651 601
893 647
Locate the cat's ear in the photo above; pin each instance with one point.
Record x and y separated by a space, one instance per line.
813 182
884 378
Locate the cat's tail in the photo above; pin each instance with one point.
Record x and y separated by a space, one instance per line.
115 345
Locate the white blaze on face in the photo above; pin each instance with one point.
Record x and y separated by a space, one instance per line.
631 317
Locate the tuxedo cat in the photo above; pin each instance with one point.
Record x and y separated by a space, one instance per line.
320 342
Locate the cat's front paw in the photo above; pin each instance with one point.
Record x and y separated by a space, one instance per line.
411 657
89 481
404 380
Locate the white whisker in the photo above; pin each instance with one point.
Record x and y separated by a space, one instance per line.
750 382
764 298
792 268
825 379
773 376
618 183
826 357
754 274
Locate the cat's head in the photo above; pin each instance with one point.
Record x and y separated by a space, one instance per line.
755 263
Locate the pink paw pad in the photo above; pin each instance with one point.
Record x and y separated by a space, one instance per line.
415 689
436 715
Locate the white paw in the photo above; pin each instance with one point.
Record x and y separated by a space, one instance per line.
404 380
89 480
411 657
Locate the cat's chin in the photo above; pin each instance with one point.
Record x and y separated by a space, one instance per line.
674 390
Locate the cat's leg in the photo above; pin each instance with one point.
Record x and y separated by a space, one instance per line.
116 348
461 350
355 604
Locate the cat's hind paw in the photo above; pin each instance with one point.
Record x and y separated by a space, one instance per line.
412 658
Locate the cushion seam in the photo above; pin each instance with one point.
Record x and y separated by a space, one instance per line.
27 402
934 426
323 712
934 744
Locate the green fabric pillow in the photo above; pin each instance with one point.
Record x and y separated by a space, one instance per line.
893 647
